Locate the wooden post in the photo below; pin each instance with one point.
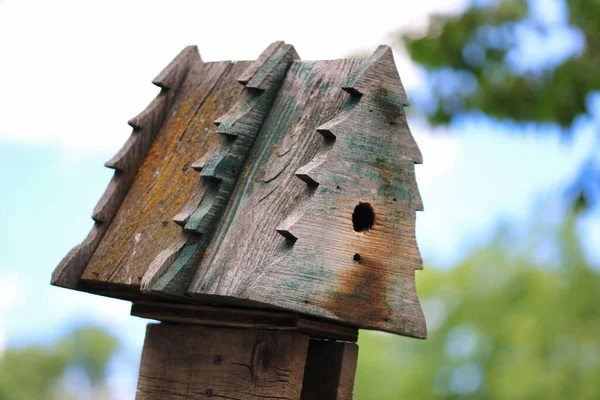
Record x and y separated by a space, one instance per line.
243 354
330 369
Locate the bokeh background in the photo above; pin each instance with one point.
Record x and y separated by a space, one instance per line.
505 107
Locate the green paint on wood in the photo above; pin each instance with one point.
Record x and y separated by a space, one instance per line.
240 125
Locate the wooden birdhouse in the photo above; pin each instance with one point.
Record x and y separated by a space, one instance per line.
277 195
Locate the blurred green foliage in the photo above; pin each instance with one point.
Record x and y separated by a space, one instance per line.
474 60
500 58
37 372
501 326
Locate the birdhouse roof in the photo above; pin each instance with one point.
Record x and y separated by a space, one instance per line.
276 183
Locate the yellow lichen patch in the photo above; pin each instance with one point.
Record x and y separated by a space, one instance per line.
143 225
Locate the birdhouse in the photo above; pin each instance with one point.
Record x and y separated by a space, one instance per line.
275 195
274 184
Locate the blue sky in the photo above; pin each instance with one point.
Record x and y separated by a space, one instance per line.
73 84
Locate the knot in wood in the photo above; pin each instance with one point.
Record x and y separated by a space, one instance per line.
262 356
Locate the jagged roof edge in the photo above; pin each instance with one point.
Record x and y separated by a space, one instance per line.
125 163
217 172
361 83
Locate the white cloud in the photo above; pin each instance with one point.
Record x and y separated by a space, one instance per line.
113 314
11 287
74 72
105 308
440 151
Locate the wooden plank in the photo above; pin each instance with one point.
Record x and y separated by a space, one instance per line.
323 223
242 318
330 370
184 362
126 163
174 73
305 200
219 173
246 238
143 226
249 73
67 274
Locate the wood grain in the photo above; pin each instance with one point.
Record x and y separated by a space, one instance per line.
249 73
242 318
285 142
126 163
183 362
288 239
219 172
143 227
261 210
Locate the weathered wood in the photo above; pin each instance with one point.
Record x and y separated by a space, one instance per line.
185 362
219 172
292 219
292 238
68 272
174 74
162 261
242 318
246 236
330 370
142 228
126 164
305 198
249 73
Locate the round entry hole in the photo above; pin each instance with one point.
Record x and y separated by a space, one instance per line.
363 217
